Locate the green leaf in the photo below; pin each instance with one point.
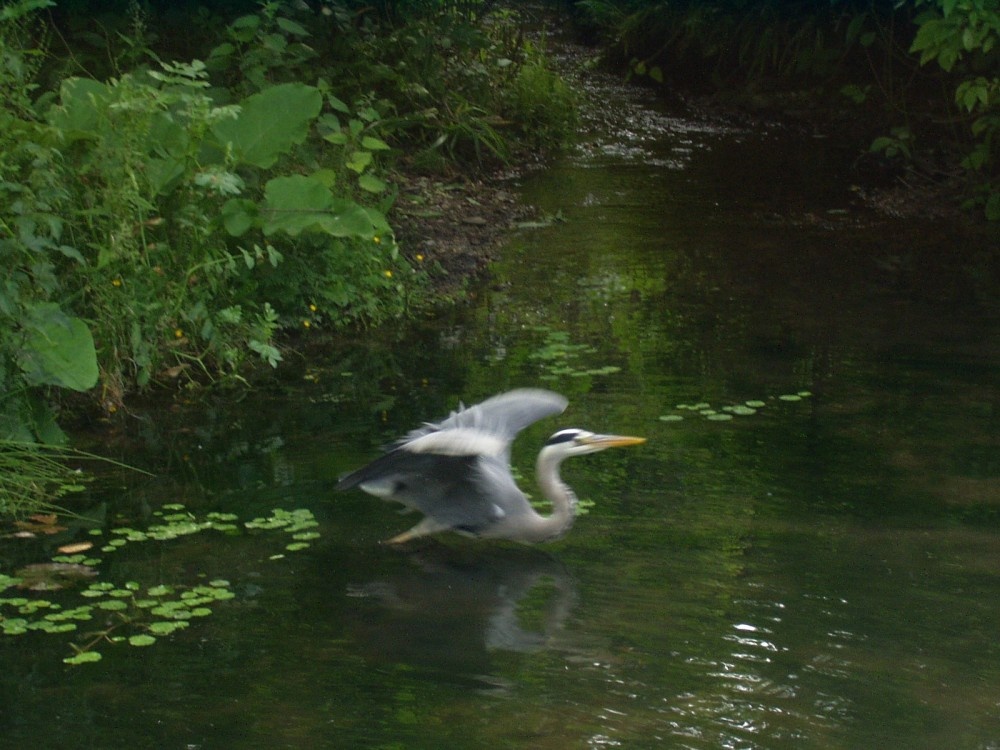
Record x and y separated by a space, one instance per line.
374 144
86 657
337 104
298 203
359 161
290 27
371 183
81 104
141 640
238 215
58 349
270 123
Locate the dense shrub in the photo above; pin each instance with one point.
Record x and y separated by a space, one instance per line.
167 220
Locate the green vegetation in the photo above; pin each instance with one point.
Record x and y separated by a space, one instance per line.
173 214
726 413
921 78
130 613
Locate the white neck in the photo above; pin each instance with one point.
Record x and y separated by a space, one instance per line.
554 526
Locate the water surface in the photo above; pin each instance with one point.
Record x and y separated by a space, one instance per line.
820 573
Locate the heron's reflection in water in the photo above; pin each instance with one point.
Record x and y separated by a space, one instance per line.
451 609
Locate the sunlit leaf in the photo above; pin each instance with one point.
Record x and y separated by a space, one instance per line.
86 657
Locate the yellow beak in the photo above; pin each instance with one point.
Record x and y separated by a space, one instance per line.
611 441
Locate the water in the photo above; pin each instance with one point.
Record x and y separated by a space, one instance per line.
821 573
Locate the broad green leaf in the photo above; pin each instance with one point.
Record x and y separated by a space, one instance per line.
359 161
337 104
58 349
371 184
86 657
374 144
238 216
291 27
298 203
270 123
81 104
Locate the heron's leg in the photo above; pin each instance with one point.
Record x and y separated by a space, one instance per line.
425 527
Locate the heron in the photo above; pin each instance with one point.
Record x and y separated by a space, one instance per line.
457 471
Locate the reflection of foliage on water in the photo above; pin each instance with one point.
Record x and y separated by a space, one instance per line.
144 613
559 357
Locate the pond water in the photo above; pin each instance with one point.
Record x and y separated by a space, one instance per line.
805 554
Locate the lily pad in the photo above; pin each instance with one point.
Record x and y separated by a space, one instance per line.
142 640
166 628
86 657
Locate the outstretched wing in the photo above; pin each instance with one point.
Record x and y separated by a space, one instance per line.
487 428
457 472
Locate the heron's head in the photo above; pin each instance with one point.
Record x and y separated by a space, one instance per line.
575 442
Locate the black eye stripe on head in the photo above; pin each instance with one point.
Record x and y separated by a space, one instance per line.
563 436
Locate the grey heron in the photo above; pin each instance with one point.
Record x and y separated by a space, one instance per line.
457 471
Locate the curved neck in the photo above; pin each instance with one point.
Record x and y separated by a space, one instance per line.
547 528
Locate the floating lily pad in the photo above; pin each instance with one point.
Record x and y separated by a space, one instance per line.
163 627
142 640
719 417
14 626
87 657
671 418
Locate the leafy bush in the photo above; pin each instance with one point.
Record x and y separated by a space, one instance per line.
542 104
168 219
963 38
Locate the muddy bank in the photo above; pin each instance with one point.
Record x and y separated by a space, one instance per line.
454 227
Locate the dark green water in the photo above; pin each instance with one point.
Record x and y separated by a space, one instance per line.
822 573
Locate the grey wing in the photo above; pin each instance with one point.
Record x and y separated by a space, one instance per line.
469 493
501 416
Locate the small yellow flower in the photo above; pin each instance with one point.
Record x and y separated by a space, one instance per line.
312 308
306 323
388 274
377 240
420 258
116 282
178 333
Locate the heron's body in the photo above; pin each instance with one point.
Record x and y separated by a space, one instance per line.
457 472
